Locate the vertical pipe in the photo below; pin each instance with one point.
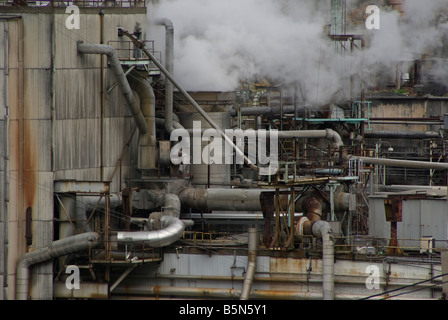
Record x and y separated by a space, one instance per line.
169 47
328 266
251 264
102 96
322 229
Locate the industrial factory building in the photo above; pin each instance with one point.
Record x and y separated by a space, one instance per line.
320 173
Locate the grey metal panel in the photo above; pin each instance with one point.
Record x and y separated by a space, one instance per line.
77 93
65 41
36 94
424 217
92 173
434 220
77 144
37 45
37 145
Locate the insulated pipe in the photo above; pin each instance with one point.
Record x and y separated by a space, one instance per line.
228 293
56 249
141 46
169 202
169 48
121 79
146 142
161 123
402 163
267 111
172 230
313 225
322 229
328 134
222 199
251 264
402 135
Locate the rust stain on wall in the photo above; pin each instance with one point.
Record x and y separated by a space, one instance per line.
29 164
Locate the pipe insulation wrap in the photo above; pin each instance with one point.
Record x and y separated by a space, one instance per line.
58 248
402 163
121 79
172 230
322 229
251 263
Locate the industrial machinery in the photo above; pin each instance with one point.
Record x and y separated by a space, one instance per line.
116 182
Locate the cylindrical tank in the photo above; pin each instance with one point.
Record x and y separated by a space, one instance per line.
204 174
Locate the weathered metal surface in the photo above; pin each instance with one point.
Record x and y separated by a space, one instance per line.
420 217
81 187
87 290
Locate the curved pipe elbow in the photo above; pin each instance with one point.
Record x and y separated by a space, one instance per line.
172 230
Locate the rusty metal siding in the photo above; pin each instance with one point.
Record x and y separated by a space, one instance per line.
425 217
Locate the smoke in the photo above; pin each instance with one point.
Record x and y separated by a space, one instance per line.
219 43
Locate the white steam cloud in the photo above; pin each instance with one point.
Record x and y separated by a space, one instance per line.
218 43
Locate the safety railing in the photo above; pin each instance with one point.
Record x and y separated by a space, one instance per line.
79 3
126 50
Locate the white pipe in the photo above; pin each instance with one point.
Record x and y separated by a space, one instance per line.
169 47
402 163
322 229
251 264
58 248
172 230
121 79
328 134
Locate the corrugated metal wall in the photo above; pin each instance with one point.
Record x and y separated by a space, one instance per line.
420 218
57 129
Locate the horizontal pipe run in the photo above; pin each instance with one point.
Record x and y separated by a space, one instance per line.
402 135
402 163
421 123
293 278
233 293
222 199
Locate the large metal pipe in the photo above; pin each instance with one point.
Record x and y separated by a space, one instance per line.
141 46
328 134
169 64
322 229
234 293
251 263
402 135
146 142
58 248
172 230
170 203
222 199
402 163
265 111
312 224
121 79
